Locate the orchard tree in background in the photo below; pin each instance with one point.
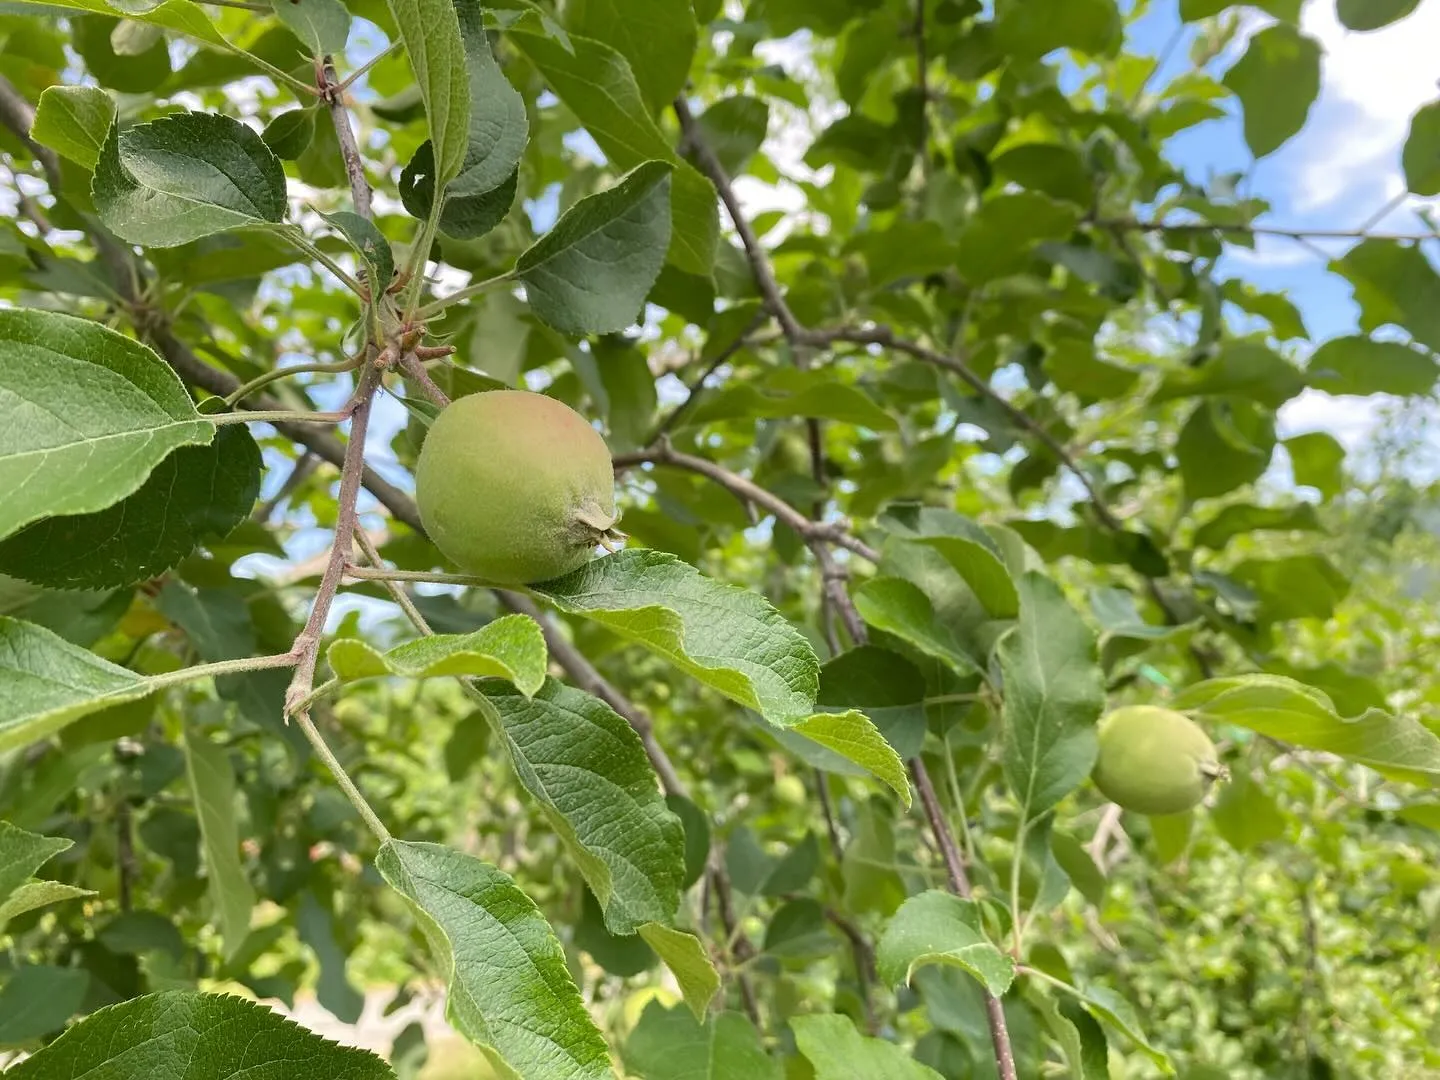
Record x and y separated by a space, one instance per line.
938 494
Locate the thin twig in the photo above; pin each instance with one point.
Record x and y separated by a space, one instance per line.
759 265
345 83
307 644
332 93
746 490
394 588
304 468
414 369
800 338
1286 232
885 338
697 386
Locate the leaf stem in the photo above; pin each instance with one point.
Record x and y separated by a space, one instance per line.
345 83
293 234
221 667
435 307
421 255
368 573
279 416
246 389
357 800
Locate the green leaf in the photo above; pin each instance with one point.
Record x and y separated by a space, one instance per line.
197 492
697 836
902 609
1054 692
212 787
322 25
466 217
937 927
886 687
198 1036
511 648
481 194
1317 460
590 274
91 414
22 853
977 560
790 394
185 176
685 955
1225 443
999 239
1362 365
595 82
290 133
1276 308
74 122
1075 368
734 129
1028 29
587 768
1245 815
756 873
1294 587
656 37
36 1002
838 1052
1244 369
1195 10
430 30
367 240
1421 158
38 894
46 683
729 638
1078 866
1277 80
1240 518
1394 283
670 1044
1081 1039
510 992
1110 1008
316 927
1372 14
181 16
1394 746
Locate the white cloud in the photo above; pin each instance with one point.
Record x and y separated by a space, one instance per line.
1372 83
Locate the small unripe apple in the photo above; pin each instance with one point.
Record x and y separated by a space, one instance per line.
515 487
1154 760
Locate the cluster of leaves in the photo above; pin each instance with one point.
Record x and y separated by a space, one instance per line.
811 415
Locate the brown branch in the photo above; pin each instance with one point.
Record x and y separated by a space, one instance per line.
812 532
1134 225
333 95
306 648
18 115
800 338
697 386
303 469
759 263
414 369
885 337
